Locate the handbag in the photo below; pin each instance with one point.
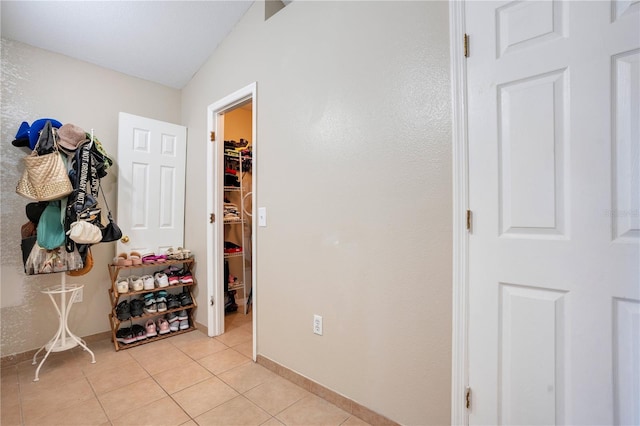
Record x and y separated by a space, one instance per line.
26 246
50 232
43 261
111 231
87 266
45 176
84 232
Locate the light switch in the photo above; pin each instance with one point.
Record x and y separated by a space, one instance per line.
262 216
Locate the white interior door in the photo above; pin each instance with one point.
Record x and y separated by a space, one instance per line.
554 187
151 184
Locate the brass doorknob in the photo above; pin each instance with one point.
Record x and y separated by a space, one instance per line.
125 239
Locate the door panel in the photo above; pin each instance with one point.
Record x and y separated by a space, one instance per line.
626 152
554 186
151 183
531 115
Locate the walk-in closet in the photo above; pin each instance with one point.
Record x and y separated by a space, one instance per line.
237 191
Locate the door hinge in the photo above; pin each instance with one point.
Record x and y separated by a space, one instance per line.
212 301
469 220
466 45
212 136
468 398
212 217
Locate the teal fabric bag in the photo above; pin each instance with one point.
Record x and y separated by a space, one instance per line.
50 229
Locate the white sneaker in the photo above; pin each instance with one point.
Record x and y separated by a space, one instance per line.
162 280
148 282
135 283
122 286
184 324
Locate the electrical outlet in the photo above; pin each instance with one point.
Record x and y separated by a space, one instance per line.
317 324
78 296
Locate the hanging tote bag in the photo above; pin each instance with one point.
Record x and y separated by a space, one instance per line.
43 261
45 176
50 232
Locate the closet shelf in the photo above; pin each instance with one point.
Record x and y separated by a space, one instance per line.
233 222
236 286
238 254
240 163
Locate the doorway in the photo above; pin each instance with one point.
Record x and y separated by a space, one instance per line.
231 199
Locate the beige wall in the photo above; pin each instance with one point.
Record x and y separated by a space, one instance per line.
354 167
37 83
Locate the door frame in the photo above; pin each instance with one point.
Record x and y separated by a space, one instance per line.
215 230
460 159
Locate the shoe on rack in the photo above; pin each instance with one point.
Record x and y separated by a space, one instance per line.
122 286
184 324
136 258
174 326
163 326
123 311
161 300
172 317
171 269
161 296
185 299
173 278
150 326
136 307
182 315
150 306
173 274
136 283
149 283
187 278
184 253
139 332
173 301
161 280
125 335
173 254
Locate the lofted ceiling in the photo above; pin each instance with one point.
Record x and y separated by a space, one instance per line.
161 41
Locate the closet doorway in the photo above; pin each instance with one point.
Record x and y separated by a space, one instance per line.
231 200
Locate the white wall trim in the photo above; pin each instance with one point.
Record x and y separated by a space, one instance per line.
215 286
459 362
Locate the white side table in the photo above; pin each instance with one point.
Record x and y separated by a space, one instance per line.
64 339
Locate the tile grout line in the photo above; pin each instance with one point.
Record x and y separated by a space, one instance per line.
96 396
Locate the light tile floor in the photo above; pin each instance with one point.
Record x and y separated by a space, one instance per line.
189 379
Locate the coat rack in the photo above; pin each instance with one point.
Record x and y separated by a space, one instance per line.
64 339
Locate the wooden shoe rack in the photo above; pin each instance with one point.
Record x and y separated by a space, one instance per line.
148 269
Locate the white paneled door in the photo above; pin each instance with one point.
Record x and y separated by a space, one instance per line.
151 184
554 187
